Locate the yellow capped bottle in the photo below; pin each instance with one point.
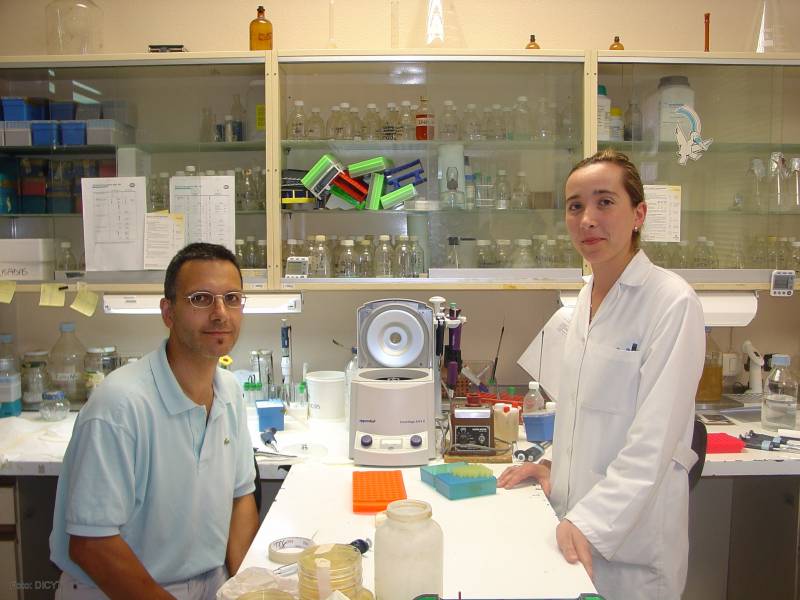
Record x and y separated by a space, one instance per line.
260 32
617 45
532 45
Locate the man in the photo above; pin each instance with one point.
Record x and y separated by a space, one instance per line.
155 497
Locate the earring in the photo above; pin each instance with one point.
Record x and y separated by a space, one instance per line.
636 230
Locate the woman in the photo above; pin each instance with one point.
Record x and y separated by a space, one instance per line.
632 361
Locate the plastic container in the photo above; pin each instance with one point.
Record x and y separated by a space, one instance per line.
10 387
86 111
54 406
603 114
779 400
35 381
256 121
326 394
270 414
660 118
107 132
45 133
373 491
615 124
409 552
62 110
506 424
66 365
27 259
539 425
17 108
18 133
328 568
122 111
73 133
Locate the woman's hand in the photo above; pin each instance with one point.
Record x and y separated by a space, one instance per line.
574 545
515 475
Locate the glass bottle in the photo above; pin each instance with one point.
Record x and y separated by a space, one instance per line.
10 380
239 252
452 252
407 128
497 126
384 257
347 265
373 124
261 254
711 253
297 123
364 258
66 365
315 127
249 195
402 257
425 121
449 123
632 128
74 27
356 124
522 120
779 403
319 260
502 256
522 257
710 387
66 259
250 252
417 257
238 113
35 380
485 254
409 552
532 45
777 179
520 195
260 32
344 129
502 190
391 123
472 123
547 257
616 45
545 121
332 124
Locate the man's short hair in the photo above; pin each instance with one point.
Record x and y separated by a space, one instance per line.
196 251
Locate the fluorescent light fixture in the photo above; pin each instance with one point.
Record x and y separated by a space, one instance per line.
148 304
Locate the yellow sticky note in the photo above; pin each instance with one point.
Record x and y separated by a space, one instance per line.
7 289
86 300
52 294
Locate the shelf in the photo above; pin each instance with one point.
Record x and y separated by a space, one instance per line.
419 146
382 284
443 212
184 147
80 215
57 150
755 148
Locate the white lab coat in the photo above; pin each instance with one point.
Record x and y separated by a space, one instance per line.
624 423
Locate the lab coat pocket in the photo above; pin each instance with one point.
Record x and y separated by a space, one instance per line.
608 388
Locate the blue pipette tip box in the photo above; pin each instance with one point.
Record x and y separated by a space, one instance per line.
428 473
270 414
452 486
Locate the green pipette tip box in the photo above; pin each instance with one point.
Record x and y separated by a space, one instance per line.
392 199
342 195
322 169
375 191
371 165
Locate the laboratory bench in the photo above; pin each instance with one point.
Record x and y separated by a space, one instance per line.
725 537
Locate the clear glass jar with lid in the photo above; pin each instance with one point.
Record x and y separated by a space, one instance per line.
485 254
54 406
35 380
74 27
409 552
523 257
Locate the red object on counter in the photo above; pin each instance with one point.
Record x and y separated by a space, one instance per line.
489 399
723 443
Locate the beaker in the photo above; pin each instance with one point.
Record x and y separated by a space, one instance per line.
74 27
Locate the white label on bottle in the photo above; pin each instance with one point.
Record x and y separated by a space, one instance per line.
65 377
10 388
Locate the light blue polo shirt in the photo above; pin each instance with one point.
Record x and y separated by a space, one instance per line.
144 464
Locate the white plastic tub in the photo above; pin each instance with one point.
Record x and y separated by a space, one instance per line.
107 132
325 394
27 259
17 133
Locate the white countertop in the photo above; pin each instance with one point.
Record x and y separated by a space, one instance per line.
31 446
496 532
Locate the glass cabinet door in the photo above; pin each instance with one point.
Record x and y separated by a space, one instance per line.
438 167
726 131
154 117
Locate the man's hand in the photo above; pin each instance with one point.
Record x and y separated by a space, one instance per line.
513 476
574 545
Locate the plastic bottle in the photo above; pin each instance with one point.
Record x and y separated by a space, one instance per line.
66 259
417 257
506 424
409 552
315 127
632 126
425 121
502 190
238 113
532 45
710 387
10 381
520 195
779 404
616 45
533 400
615 124
260 32
319 263
297 123
603 114
66 365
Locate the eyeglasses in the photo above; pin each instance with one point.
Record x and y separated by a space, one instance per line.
206 299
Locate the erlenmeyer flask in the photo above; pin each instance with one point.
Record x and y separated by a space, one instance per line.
768 31
438 24
74 27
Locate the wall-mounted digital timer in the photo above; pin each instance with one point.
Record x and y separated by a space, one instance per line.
782 283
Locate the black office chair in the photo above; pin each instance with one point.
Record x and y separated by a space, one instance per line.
699 445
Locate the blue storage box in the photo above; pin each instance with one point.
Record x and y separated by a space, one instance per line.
73 133
17 108
60 203
45 133
270 414
539 425
34 205
89 111
62 110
